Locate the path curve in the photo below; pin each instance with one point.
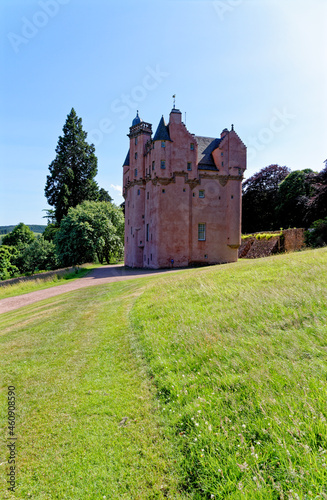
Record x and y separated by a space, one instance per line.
99 276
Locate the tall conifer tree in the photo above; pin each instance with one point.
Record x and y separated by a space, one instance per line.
72 172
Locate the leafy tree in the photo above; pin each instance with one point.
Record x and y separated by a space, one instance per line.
7 268
50 232
293 195
90 230
72 172
40 255
104 195
260 199
21 235
317 204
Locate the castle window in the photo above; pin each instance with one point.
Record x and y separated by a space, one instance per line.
135 172
192 146
138 192
163 144
232 197
147 232
222 163
147 195
201 193
193 195
135 156
153 164
201 232
221 154
135 141
189 165
184 190
163 164
163 191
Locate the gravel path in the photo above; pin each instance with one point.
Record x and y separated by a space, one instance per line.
99 276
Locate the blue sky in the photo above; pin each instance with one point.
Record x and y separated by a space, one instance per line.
259 64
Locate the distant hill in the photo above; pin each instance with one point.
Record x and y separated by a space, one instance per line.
34 227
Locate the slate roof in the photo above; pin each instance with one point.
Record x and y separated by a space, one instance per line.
162 133
205 147
126 162
136 120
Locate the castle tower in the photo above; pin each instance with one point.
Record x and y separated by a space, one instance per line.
134 191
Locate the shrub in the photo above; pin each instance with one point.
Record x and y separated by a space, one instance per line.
316 236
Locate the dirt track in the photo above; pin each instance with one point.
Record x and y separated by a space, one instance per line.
100 276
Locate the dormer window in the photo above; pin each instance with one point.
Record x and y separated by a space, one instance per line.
163 164
189 165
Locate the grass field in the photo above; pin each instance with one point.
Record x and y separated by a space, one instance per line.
209 383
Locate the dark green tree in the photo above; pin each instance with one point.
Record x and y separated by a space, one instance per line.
294 193
21 235
89 231
104 195
260 199
72 172
317 205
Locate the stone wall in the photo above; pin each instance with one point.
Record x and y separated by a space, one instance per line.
293 239
290 240
40 276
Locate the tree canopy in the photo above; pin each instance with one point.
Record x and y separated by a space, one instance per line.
72 172
260 199
90 230
21 235
293 195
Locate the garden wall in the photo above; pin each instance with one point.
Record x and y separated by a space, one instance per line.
288 240
40 276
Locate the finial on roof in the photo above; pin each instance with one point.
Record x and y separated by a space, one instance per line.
232 126
174 97
137 119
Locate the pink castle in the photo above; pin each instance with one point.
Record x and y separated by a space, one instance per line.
182 195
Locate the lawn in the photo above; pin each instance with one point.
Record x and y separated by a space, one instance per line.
209 383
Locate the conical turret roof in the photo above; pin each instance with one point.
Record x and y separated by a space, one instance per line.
162 133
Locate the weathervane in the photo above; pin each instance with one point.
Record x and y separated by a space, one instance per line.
174 97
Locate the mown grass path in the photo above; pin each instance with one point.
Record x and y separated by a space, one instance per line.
77 377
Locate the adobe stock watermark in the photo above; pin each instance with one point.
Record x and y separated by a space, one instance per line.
123 105
278 122
222 7
30 27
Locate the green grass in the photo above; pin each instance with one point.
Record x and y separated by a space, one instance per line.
221 373
40 283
